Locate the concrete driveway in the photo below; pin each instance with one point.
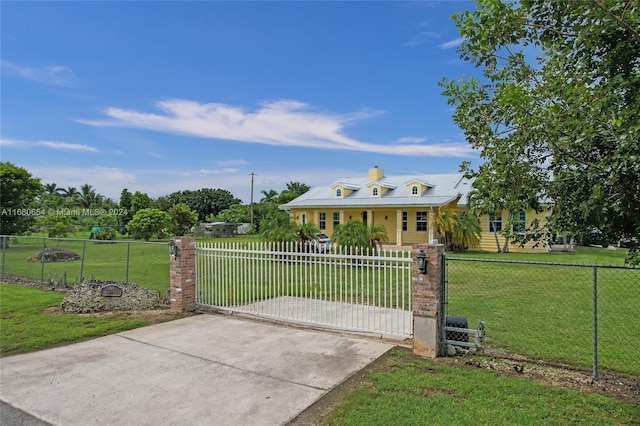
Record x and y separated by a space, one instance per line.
201 370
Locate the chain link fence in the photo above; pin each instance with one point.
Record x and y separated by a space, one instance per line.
584 316
66 261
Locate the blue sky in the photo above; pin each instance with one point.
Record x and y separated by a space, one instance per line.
165 96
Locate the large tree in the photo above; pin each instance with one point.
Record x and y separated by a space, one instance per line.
205 201
149 222
237 213
293 191
18 192
125 213
182 219
140 201
556 116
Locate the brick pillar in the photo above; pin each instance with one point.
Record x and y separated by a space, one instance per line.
183 275
427 303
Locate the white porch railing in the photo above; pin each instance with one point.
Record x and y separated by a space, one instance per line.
361 291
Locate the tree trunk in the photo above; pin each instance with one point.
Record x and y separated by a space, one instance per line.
495 234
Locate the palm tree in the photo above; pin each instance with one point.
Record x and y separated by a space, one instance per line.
467 232
52 189
276 226
71 195
353 234
377 236
297 188
444 223
307 232
88 196
51 197
269 196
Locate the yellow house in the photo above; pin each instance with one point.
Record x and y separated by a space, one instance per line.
405 205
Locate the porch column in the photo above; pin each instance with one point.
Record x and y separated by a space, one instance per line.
429 225
182 267
398 227
427 301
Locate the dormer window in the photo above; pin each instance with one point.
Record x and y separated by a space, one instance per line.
338 193
374 192
417 187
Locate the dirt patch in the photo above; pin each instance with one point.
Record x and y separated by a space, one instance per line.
54 254
621 387
150 316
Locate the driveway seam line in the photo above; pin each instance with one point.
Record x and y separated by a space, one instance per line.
223 364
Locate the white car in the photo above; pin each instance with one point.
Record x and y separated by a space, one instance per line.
322 244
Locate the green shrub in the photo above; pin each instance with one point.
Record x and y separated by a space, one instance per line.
106 234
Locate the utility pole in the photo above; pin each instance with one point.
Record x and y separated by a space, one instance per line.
252 175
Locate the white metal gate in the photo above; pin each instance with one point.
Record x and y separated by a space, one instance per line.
351 290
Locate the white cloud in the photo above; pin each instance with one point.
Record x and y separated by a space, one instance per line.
217 171
231 163
421 38
108 181
65 146
54 75
452 43
279 123
13 143
60 146
410 139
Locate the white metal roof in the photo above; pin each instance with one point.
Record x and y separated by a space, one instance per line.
443 188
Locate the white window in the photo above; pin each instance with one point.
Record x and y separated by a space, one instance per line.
520 222
338 193
374 192
414 190
421 221
495 222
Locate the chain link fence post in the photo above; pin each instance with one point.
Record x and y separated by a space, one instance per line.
84 247
44 248
126 278
595 322
4 249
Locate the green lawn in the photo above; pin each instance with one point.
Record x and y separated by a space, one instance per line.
30 320
546 311
27 327
146 264
406 390
580 255
142 263
538 311
401 390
